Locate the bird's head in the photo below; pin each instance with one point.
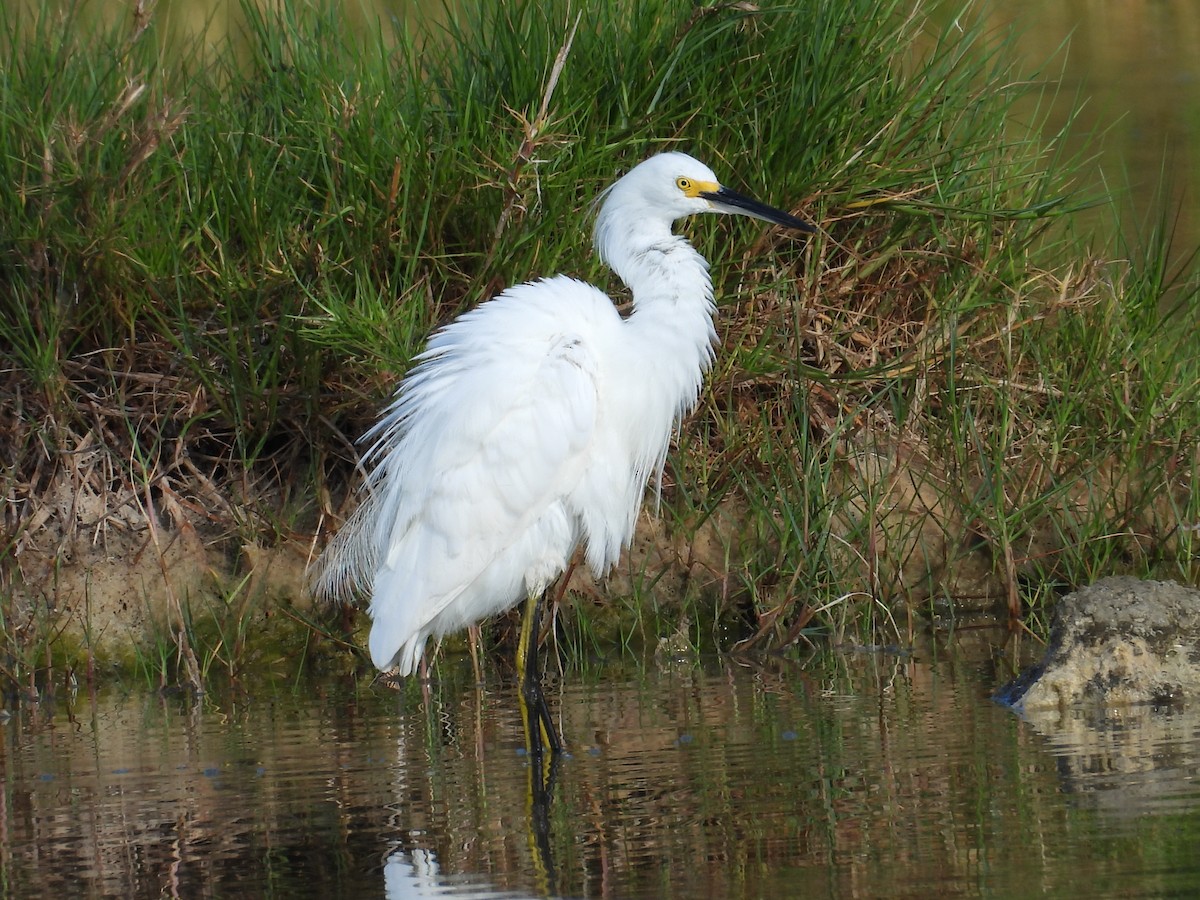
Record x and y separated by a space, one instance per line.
673 185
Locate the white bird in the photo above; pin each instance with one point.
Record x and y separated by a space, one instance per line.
533 423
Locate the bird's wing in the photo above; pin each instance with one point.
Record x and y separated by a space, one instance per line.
489 432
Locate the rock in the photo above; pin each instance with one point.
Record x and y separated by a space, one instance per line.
1119 641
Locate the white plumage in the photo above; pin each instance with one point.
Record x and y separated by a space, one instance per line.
533 422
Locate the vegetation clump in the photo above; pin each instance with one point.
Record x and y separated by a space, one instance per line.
216 266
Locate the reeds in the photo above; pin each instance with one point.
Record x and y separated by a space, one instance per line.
217 266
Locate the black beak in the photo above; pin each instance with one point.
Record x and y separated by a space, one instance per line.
727 201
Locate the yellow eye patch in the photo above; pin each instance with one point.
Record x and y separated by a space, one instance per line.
693 188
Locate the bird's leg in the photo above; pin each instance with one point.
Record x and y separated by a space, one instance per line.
540 732
473 640
423 680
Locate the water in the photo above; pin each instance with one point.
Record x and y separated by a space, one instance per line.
845 775
1131 75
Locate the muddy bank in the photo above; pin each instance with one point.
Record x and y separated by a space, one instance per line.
108 583
122 587
107 575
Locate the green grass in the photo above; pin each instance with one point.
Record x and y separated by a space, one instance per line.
218 265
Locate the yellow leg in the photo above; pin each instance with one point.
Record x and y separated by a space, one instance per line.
529 614
540 732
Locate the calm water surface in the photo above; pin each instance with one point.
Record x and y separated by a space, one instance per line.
845 775
1129 72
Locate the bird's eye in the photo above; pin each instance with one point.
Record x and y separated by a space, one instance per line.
684 184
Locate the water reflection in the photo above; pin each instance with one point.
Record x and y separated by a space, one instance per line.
1132 74
1128 761
738 778
416 873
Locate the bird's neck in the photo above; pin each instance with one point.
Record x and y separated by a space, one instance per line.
660 268
671 325
670 278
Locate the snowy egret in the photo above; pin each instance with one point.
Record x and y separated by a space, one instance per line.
533 423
